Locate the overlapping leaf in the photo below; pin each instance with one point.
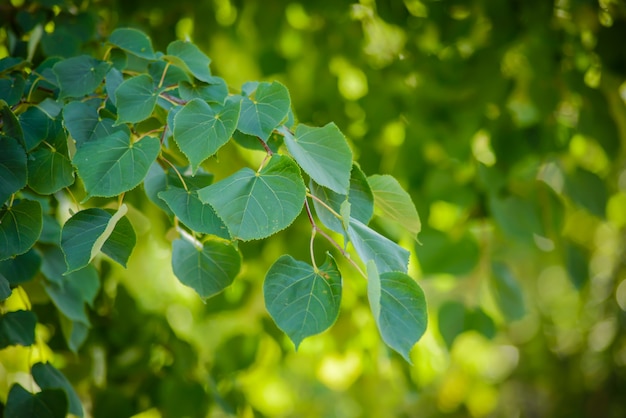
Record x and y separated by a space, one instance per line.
323 153
200 129
370 245
20 227
48 377
13 168
21 268
399 308
78 76
49 403
261 114
135 98
257 205
208 269
17 328
189 56
84 123
133 41
113 164
394 203
49 168
302 300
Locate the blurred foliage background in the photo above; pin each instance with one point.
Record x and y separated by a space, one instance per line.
505 120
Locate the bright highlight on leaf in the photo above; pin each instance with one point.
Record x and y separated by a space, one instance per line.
257 205
302 300
370 245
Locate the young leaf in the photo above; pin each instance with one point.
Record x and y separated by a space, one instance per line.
48 377
208 270
394 203
20 227
200 130
22 268
135 98
49 403
323 154
78 76
193 213
113 164
302 300
17 328
399 308
507 292
263 113
13 168
133 41
189 57
370 245
257 205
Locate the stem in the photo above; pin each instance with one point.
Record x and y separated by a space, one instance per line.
321 202
173 99
74 199
167 65
313 231
265 146
120 200
180 177
163 133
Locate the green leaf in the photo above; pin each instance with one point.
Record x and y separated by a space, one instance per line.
154 183
13 168
257 205
133 41
75 333
135 98
507 292
200 129
399 308
454 318
112 81
50 403
78 76
196 215
69 292
113 164
5 288
48 377
50 169
457 255
208 269
17 328
394 203
20 227
216 92
261 114
302 300
35 126
85 124
576 262
12 89
22 268
120 243
10 124
189 57
174 75
323 153
370 245
587 190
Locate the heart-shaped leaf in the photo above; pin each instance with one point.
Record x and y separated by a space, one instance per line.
394 203
133 41
13 168
302 300
256 205
78 76
261 114
189 57
17 328
20 227
49 403
135 98
48 377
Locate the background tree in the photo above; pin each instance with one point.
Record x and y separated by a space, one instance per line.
504 121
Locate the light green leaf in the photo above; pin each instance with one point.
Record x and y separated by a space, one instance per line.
20 227
113 164
207 270
261 114
302 300
135 98
17 328
200 130
78 76
49 403
48 377
399 308
323 153
507 292
189 57
370 245
196 215
394 203
21 268
344 211
133 41
13 168
257 205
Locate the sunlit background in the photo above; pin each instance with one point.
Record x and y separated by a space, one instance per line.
506 122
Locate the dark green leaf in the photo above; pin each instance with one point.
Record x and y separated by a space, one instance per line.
577 263
302 300
135 98
133 41
36 125
10 124
451 321
394 203
112 81
200 129
208 269
323 153
84 123
17 328
119 245
507 292
48 377
12 89
370 245
193 213
22 268
49 170
78 76
5 288
20 227
50 403
261 114
79 236
399 308
13 168
587 190
174 75
113 164
443 253
257 205
216 92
